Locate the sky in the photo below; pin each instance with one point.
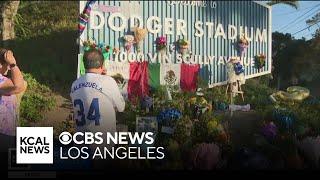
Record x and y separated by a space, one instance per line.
287 19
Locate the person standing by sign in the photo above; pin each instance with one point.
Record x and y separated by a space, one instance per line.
96 96
10 89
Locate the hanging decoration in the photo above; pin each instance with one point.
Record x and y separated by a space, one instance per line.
129 41
139 35
161 44
107 52
242 45
105 49
260 61
183 46
89 44
84 16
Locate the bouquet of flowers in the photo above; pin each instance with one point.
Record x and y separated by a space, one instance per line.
260 60
168 116
242 45
89 44
139 35
183 45
161 43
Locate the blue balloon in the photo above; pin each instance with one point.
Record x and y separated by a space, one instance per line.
238 68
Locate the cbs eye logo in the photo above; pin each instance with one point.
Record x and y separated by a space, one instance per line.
65 138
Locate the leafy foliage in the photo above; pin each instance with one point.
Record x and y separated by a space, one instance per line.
45 44
295 58
37 100
43 18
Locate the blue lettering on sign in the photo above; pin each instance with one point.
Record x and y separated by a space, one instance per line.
86 85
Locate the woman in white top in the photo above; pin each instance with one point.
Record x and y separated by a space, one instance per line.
9 87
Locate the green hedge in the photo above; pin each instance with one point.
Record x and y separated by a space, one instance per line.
37 100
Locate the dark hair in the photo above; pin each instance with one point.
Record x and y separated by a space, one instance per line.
93 58
2 52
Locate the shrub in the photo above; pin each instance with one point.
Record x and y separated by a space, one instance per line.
37 100
257 94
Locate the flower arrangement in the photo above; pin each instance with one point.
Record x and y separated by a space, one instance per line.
183 45
242 44
161 43
260 60
139 35
118 78
89 44
102 47
168 116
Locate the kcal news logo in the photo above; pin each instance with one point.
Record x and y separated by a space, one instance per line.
34 145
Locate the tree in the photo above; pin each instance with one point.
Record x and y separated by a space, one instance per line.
314 20
280 42
293 4
8 11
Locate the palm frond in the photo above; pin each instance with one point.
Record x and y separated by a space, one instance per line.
294 4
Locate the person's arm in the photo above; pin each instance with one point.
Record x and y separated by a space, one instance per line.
117 97
16 84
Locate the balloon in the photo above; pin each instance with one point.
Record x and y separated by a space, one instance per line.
238 68
84 16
